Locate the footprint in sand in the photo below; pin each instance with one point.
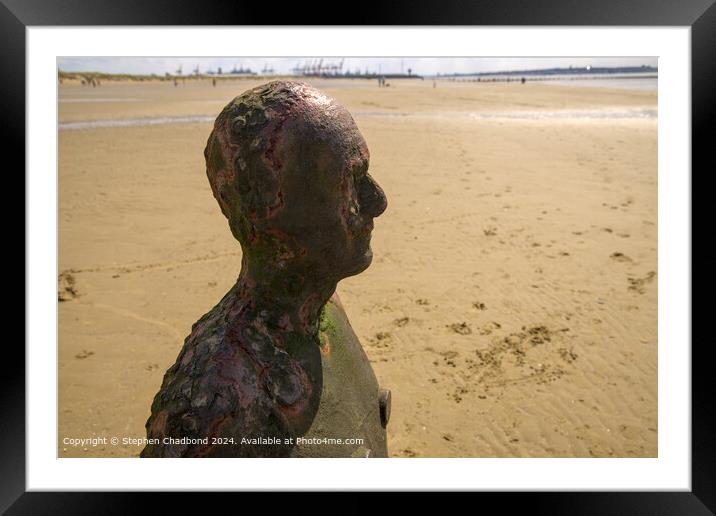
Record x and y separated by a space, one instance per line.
401 322
619 257
538 334
458 394
488 328
449 357
568 355
461 328
84 354
66 288
638 285
380 340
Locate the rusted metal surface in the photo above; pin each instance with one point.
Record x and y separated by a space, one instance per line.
275 360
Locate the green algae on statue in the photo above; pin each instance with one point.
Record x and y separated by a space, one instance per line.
275 369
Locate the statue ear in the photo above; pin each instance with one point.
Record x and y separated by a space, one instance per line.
238 126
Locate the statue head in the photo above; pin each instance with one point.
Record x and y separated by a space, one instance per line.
289 169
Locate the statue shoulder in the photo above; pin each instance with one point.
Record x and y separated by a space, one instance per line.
230 386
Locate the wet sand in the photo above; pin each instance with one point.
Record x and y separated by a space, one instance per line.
511 306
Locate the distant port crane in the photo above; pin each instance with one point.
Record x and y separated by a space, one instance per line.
317 68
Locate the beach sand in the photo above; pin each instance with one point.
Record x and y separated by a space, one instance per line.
511 306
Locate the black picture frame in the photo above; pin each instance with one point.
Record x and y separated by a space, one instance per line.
700 15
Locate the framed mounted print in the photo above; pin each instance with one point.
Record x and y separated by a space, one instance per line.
460 250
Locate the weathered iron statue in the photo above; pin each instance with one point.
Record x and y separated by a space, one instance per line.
274 369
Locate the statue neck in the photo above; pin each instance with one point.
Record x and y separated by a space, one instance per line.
278 300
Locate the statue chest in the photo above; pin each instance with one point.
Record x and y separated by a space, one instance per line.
348 420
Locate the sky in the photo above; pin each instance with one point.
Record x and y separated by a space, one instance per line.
283 65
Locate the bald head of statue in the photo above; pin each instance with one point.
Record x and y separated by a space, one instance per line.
289 169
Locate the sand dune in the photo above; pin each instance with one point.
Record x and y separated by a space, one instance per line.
512 303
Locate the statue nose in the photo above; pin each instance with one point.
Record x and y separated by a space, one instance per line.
373 201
